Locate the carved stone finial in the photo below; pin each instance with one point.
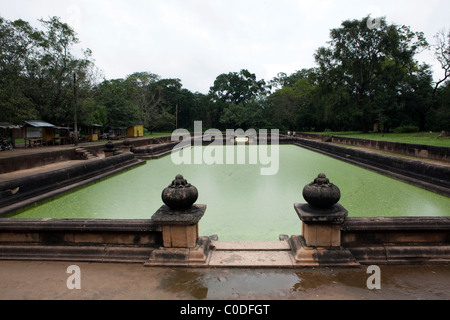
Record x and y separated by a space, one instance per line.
179 195
321 179
321 193
109 145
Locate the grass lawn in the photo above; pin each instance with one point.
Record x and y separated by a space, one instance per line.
425 138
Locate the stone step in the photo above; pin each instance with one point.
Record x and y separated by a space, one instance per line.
85 153
250 245
250 254
245 259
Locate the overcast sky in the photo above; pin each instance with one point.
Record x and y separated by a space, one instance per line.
197 40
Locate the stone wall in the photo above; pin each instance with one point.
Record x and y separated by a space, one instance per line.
134 143
397 240
153 151
44 157
407 149
380 241
22 192
78 240
429 176
32 160
413 150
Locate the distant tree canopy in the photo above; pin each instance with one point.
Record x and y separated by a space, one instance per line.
373 68
366 75
37 71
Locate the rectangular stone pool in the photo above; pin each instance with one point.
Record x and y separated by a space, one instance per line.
241 203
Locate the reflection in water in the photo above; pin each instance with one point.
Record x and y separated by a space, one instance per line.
226 283
275 284
321 277
185 281
242 204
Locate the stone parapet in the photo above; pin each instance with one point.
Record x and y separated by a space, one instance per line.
36 159
364 241
18 194
407 149
78 239
429 176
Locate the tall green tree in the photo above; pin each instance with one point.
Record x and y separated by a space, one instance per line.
38 68
17 45
366 61
117 97
237 87
232 93
292 105
144 97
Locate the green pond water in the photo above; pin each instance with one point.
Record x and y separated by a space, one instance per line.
241 203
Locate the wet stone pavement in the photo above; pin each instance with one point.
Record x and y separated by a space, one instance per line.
35 280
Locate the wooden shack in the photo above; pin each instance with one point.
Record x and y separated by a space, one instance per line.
135 131
91 132
39 133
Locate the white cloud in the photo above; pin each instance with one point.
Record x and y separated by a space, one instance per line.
196 40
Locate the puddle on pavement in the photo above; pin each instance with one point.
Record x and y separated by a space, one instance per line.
308 283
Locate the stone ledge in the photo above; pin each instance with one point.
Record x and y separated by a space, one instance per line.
364 224
43 186
35 159
309 215
391 254
435 178
86 253
288 254
165 216
250 245
79 232
359 232
77 225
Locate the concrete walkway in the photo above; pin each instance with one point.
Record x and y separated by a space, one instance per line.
43 280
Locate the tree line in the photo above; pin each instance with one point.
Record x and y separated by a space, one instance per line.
365 76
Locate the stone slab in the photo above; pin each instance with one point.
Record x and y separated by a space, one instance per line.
166 216
245 259
307 214
251 245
